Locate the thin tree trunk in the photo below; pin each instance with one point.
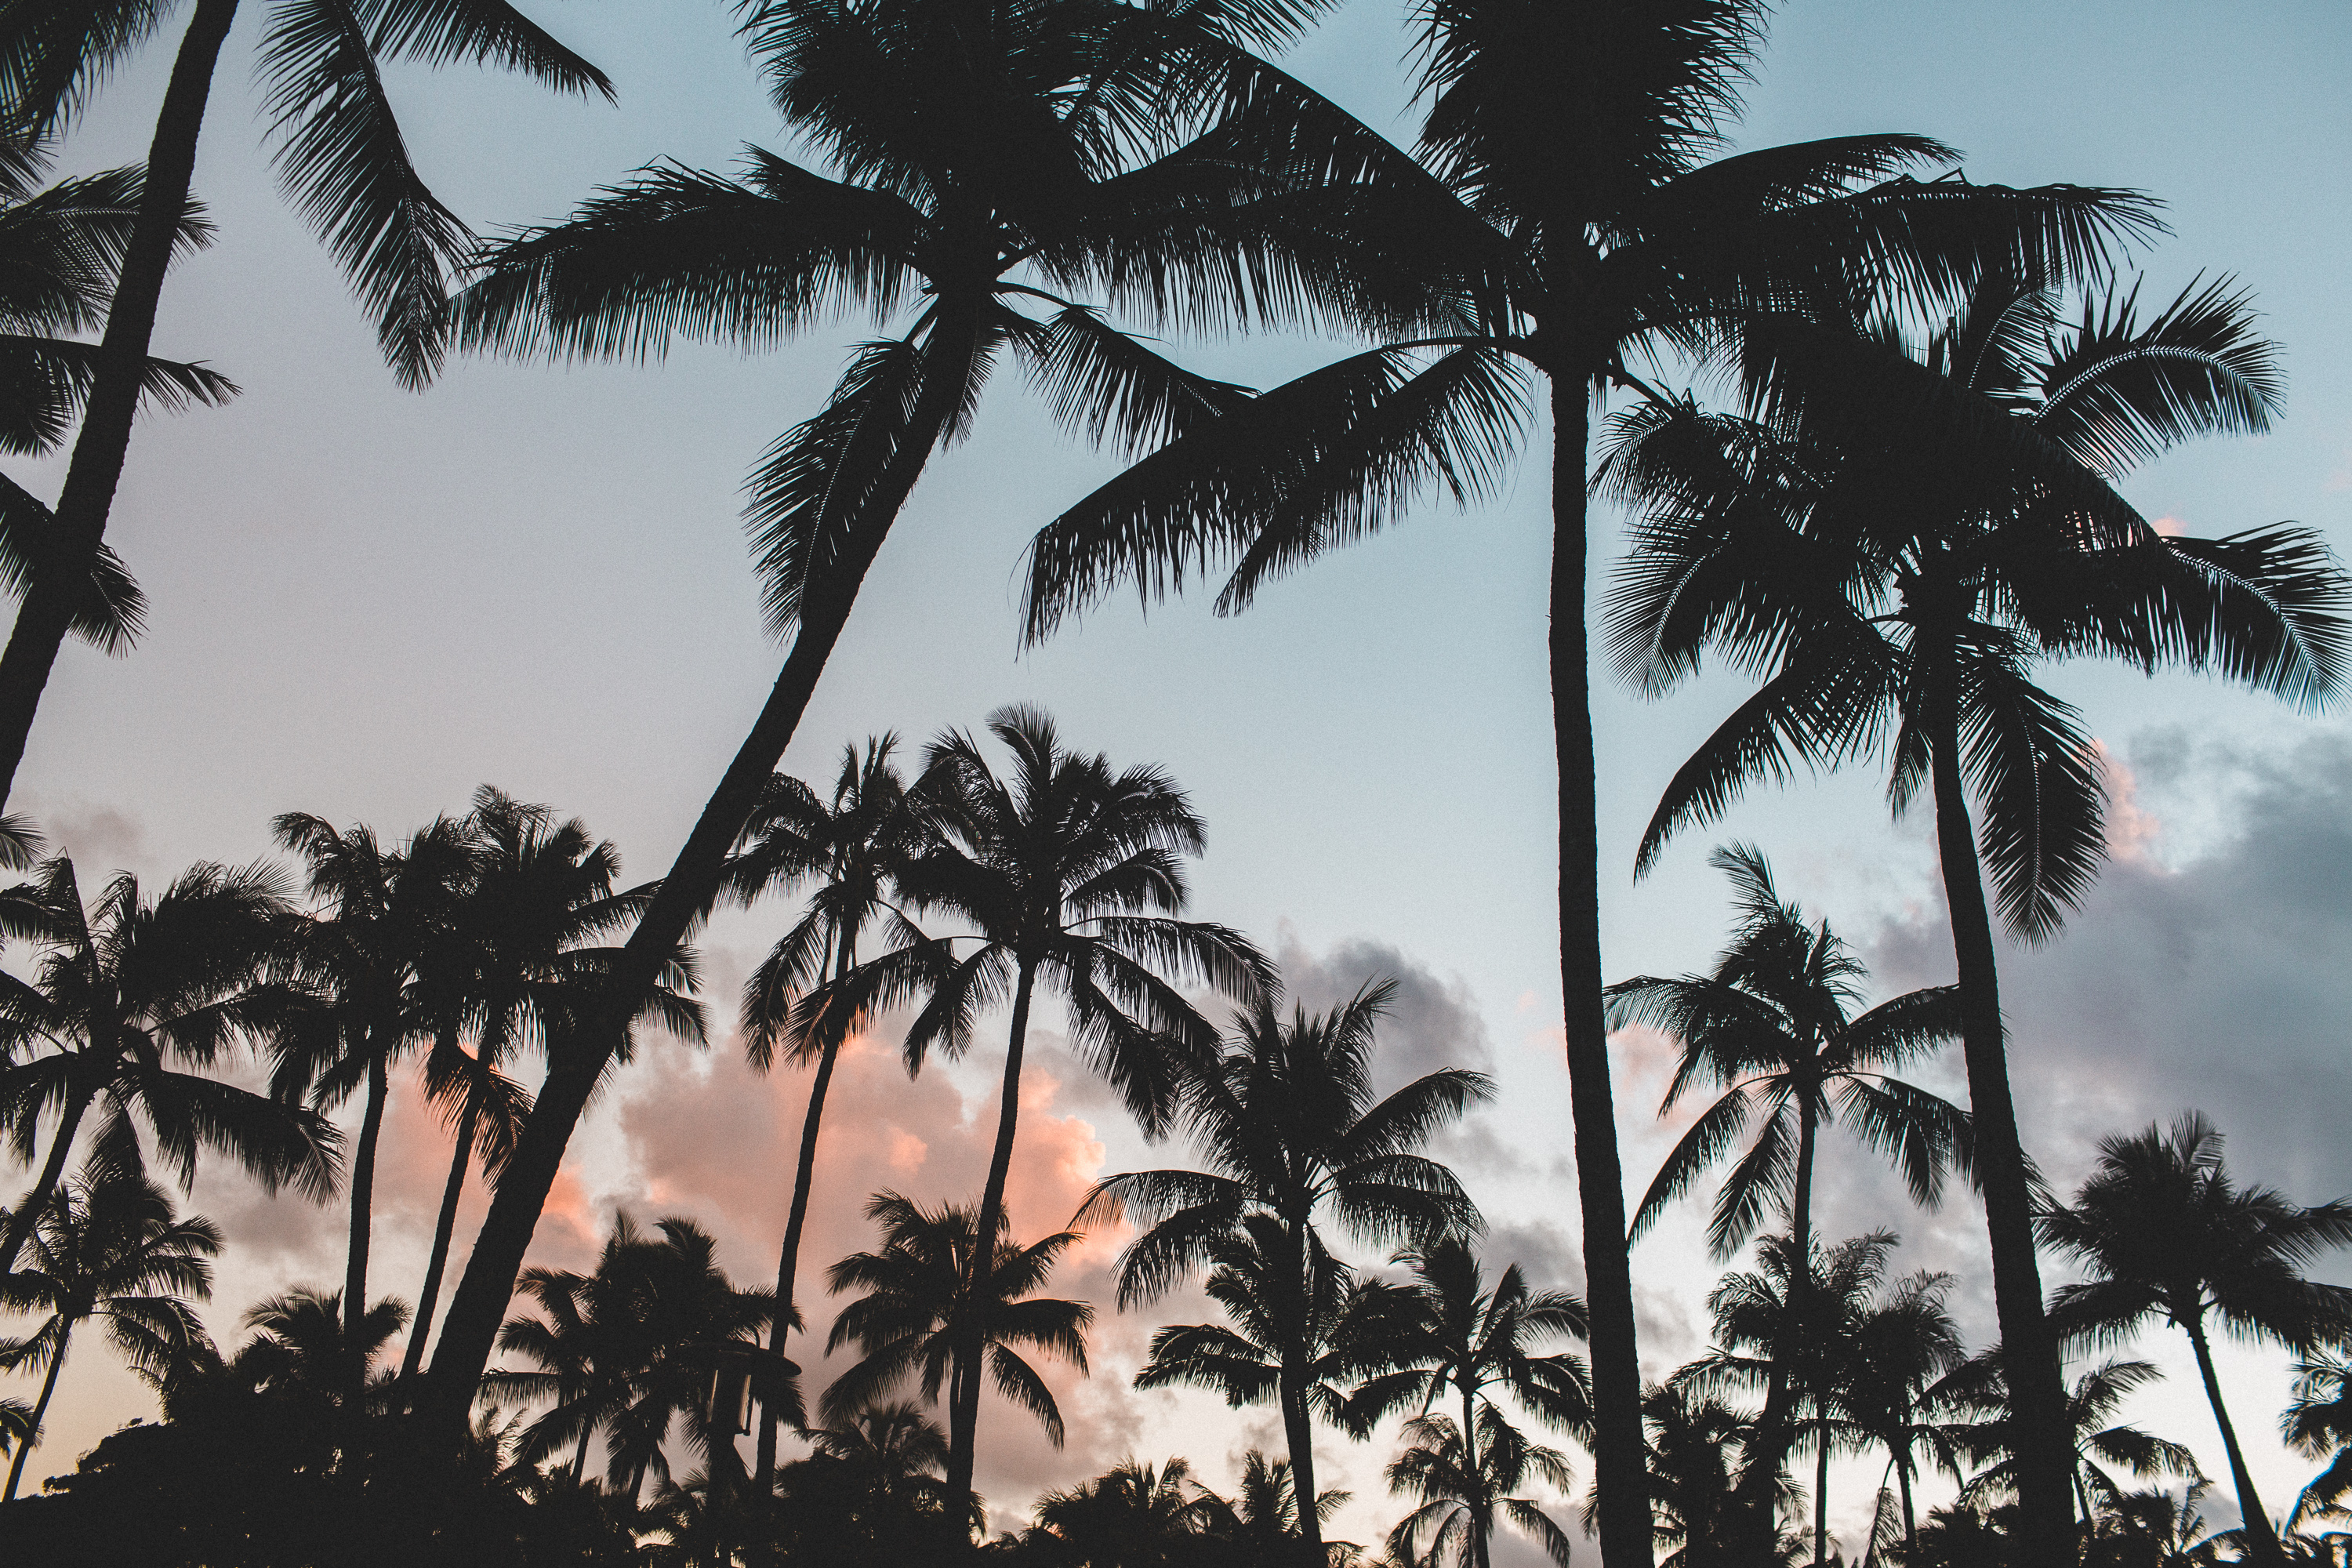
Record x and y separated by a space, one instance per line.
480 1303
1299 1431
964 1420
580 1455
1620 1472
1482 1520
1910 1523
444 1230
1821 1485
788 1259
2029 1359
355 1263
62 581
2262 1541
40 1415
29 1208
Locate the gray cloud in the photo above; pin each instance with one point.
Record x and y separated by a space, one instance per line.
1431 1023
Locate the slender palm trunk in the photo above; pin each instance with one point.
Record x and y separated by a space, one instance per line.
480 1303
1775 1429
59 585
1482 1518
1618 1450
1821 1485
355 1262
53 1169
445 1228
964 1420
2029 1359
580 1455
2262 1541
1298 1432
1910 1522
40 1415
1290 1390
788 1259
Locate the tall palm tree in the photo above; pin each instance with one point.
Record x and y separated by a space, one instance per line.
1298 1330
1462 1497
1451 1331
2100 1442
1772 1028
851 848
1285 1118
1042 165
1068 875
341 160
2159 1228
1892 543
1575 244
382 916
107 1248
929 1299
130 1005
1905 1345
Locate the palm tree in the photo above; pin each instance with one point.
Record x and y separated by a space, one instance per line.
1285 1117
929 1298
1573 246
1891 545
1460 1498
1262 1517
1452 1332
1771 1027
2099 1441
852 848
340 158
589 1347
130 1005
1905 1345
1068 874
1698 1511
2318 1426
870 1495
1133 1515
1043 163
108 1248
382 916
2161 1228
303 1348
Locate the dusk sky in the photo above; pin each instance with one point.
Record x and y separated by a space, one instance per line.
366 602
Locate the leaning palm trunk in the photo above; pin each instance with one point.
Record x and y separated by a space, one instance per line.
2037 1400
1617 1445
480 1302
54 593
53 1169
1298 1432
355 1260
41 1413
428 1295
2262 1542
964 1417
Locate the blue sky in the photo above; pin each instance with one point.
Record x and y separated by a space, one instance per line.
366 602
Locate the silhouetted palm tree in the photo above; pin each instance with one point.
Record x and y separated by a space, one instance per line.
1461 1499
924 1306
1068 875
1574 245
108 1249
1261 1519
1770 1027
1897 539
870 1495
1133 1515
303 1348
340 158
2318 1425
129 1005
2159 1228
1448 1331
1285 1119
1040 166
1698 1511
851 848
1905 1344
589 1347
2099 1439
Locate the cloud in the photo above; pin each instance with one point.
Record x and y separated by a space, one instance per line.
1431 1023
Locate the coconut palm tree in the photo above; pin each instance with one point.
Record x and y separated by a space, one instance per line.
1134 1514
340 158
1905 1345
851 848
1698 1511
1068 874
588 1346
2159 1228
130 1005
2318 1426
108 1249
1461 1499
1262 1518
924 1294
1285 1118
1771 1027
303 1348
1892 543
1576 247
870 1494
1042 165
2101 1443
1451 1332
382 917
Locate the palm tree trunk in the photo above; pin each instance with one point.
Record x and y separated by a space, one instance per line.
41 1413
1298 1432
1821 1486
580 1455
1910 1521
480 1303
29 1208
964 1420
355 1263
2029 1359
2262 1541
1619 1470
1482 1522
57 588
788 1259
443 1229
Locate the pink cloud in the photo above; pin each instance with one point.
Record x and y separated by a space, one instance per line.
2131 829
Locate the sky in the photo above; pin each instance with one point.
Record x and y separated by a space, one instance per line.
366 603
